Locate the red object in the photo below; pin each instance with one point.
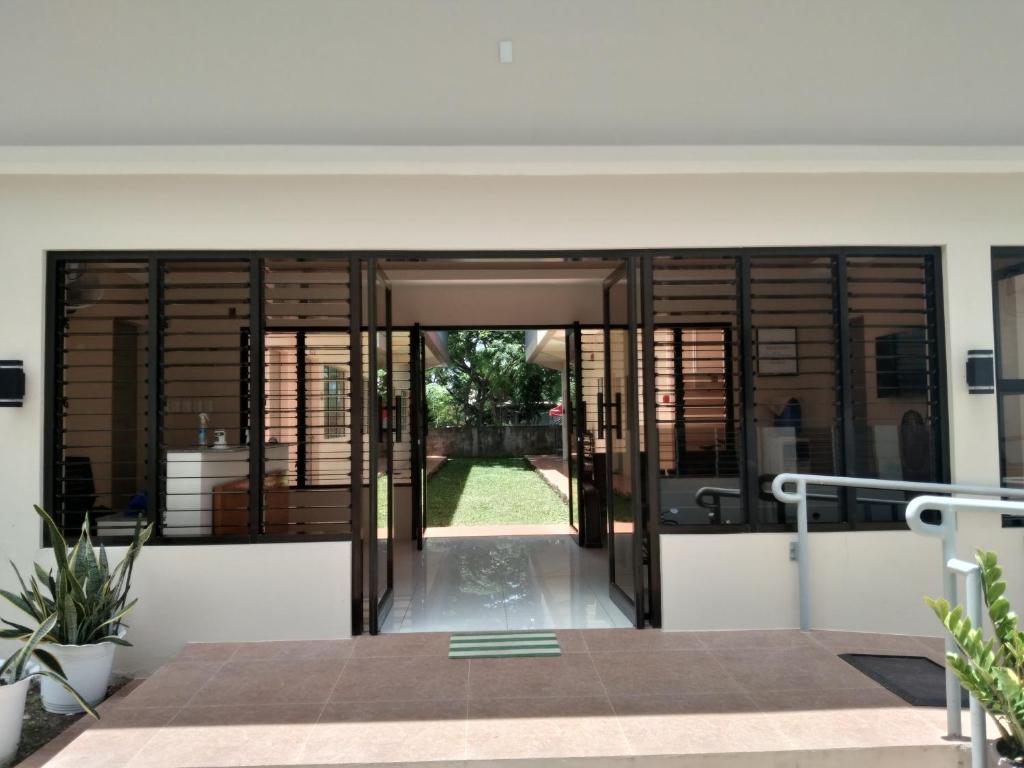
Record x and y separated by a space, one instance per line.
558 410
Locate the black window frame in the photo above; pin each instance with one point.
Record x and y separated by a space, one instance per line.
1005 387
251 383
755 521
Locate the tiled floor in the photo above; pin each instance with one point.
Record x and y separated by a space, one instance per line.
613 693
501 583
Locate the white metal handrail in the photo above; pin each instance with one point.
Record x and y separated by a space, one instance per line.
799 497
952 568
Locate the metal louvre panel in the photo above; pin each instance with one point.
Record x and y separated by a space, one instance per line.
893 340
206 368
698 389
796 366
101 404
307 426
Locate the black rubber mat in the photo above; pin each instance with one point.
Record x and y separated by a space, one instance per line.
915 679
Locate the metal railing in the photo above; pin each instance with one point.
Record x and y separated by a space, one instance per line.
952 567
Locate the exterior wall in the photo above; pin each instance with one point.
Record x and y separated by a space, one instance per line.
223 593
489 442
709 581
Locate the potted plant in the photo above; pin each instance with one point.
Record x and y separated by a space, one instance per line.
89 600
15 675
991 670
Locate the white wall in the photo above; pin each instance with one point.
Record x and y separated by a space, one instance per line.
965 214
241 592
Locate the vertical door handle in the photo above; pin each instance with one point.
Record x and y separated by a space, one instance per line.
618 415
600 415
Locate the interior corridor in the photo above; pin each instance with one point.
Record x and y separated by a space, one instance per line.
496 583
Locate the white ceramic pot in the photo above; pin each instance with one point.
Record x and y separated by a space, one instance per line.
12 714
87 668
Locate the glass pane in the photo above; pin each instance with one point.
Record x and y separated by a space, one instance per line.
894 379
569 418
384 445
206 390
797 413
620 458
697 386
1010 298
101 397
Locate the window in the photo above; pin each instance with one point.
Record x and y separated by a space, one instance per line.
333 413
158 393
1008 307
813 361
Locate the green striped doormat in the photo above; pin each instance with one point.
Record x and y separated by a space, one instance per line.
499 646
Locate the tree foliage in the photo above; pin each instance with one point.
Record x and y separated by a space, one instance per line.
489 381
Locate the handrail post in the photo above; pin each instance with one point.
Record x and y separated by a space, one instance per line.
802 564
974 600
954 724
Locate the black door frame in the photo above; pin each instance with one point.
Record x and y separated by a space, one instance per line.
632 605
379 607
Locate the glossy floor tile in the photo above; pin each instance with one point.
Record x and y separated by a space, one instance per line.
494 583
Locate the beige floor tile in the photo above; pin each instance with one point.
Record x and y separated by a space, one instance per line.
569 675
543 728
571 641
401 644
174 684
662 673
206 652
756 639
295 649
847 728
388 731
697 703
697 724
230 736
273 681
843 698
795 669
403 679
114 740
865 642
632 641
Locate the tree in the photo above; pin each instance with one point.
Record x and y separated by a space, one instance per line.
489 380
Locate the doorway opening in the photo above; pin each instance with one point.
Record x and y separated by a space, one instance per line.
511 499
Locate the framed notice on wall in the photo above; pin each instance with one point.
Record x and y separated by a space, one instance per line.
777 352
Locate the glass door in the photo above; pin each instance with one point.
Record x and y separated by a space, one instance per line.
575 423
620 422
384 419
418 433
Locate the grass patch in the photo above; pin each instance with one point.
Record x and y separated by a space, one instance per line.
492 492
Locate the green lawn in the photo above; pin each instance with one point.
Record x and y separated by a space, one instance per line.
491 492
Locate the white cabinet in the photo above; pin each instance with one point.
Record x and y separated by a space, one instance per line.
193 474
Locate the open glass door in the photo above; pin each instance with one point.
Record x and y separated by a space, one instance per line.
383 422
418 433
574 424
622 447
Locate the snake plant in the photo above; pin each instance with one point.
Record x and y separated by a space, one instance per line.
19 666
87 597
991 670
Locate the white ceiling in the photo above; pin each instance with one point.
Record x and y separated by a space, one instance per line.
585 72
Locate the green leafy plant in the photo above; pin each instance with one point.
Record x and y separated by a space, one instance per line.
991 670
88 599
19 666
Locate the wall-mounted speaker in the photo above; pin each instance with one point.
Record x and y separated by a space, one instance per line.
12 383
981 371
